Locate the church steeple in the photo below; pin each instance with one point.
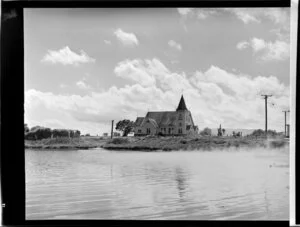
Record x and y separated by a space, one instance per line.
181 105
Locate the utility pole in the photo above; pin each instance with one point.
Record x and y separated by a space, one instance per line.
112 128
285 121
266 112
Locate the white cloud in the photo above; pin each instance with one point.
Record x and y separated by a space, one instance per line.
128 39
184 11
258 44
108 42
134 70
66 56
246 15
82 85
204 13
279 16
175 45
267 51
242 45
199 13
214 96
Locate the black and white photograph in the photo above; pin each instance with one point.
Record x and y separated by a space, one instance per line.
157 113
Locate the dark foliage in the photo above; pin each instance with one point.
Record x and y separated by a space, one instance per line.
206 132
126 126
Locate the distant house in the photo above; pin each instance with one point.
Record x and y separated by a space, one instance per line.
105 134
117 134
179 122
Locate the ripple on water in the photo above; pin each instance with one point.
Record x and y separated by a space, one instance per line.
175 185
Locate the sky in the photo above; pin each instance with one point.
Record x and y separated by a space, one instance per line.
87 67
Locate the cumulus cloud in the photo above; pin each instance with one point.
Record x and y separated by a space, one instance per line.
128 39
175 45
267 51
66 56
184 11
214 96
242 45
134 70
279 16
82 85
245 15
204 13
199 13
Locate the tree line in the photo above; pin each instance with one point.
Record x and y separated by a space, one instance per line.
39 132
256 133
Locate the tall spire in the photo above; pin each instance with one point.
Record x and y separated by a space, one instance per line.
181 105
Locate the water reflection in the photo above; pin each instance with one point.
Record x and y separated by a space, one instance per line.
98 184
180 178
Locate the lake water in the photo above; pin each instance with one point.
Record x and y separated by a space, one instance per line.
101 184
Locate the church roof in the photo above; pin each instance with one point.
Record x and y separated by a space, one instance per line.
181 105
138 121
163 118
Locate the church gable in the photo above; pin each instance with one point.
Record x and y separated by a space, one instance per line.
167 122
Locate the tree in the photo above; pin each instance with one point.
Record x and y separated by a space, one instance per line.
38 133
77 133
223 131
60 133
26 128
258 132
206 132
126 126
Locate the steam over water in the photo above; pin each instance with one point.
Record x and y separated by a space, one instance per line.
100 184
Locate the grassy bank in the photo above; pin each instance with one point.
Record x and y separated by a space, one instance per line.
65 143
152 143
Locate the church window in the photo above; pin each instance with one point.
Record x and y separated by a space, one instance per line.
180 124
180 130
180 117
139 131
148 130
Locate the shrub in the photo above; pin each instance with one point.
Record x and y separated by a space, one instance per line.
206 132
38 133
60 133
119 141
26 128
183 141
30 136
77 133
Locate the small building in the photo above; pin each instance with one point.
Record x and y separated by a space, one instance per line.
179 122
116 134
105 134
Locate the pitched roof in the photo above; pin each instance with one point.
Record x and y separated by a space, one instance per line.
163 118
152 121
181 105
138 121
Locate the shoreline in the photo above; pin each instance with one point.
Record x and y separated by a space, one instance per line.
155 144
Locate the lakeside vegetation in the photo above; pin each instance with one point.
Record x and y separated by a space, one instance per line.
152 143
45 138
86 142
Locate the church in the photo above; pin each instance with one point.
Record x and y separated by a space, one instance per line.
179 122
